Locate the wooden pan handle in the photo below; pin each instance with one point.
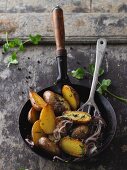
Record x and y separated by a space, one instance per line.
58 25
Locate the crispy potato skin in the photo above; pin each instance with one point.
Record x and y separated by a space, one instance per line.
37 102
33 115
80 132
47 119
72 146
49 146
37 132
58 103
71 96
78 116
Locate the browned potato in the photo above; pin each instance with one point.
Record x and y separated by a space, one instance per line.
58 103
80 132
37 102
37 132
77 116
72 146
49 146
33 115
71 96
47 119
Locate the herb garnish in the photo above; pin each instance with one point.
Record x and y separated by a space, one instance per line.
102 86
16 45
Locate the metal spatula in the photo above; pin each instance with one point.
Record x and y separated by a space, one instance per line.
100 50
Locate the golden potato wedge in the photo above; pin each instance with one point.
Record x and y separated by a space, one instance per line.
80 132
77 116
33 115
71 96
37 132
49 146
37 102
72 146
58 103
47 119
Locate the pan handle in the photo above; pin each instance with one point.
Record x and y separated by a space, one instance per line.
58 25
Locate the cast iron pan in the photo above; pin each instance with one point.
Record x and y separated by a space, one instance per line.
103 104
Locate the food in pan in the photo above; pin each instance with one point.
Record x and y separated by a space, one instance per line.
49 146
77 116
59 129
37 132
71 96
58 103
33 115
72 146
80 132
37 102
47 119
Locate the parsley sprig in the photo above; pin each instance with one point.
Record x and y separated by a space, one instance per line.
16 45
103 86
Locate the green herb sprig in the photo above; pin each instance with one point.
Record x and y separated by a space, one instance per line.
103 86
16 45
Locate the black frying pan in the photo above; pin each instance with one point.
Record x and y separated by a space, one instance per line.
103 104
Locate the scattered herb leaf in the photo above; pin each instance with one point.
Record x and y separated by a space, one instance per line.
16 45
5 48
78 73
103 86
91 69
35 39
12 59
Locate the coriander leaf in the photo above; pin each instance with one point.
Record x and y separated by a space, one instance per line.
5 48
35 39
91 69
21 47
12 59
17 42
11 44
78 73
104 85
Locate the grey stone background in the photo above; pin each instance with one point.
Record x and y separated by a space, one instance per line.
89 20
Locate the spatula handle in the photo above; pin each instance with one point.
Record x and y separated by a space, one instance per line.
58 25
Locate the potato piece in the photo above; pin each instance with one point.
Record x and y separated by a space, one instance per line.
71 96
47 119
49 146
80 132
37 132
58 103
72 146
37 102
77 116
33 115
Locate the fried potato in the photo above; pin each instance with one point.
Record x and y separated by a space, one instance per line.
80 132
37 132
77 116
58 103
47 119
37 102
33 115
72 146
71 96
49 146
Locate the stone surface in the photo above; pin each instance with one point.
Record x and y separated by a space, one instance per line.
26 6
39 63
86 27
109 6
